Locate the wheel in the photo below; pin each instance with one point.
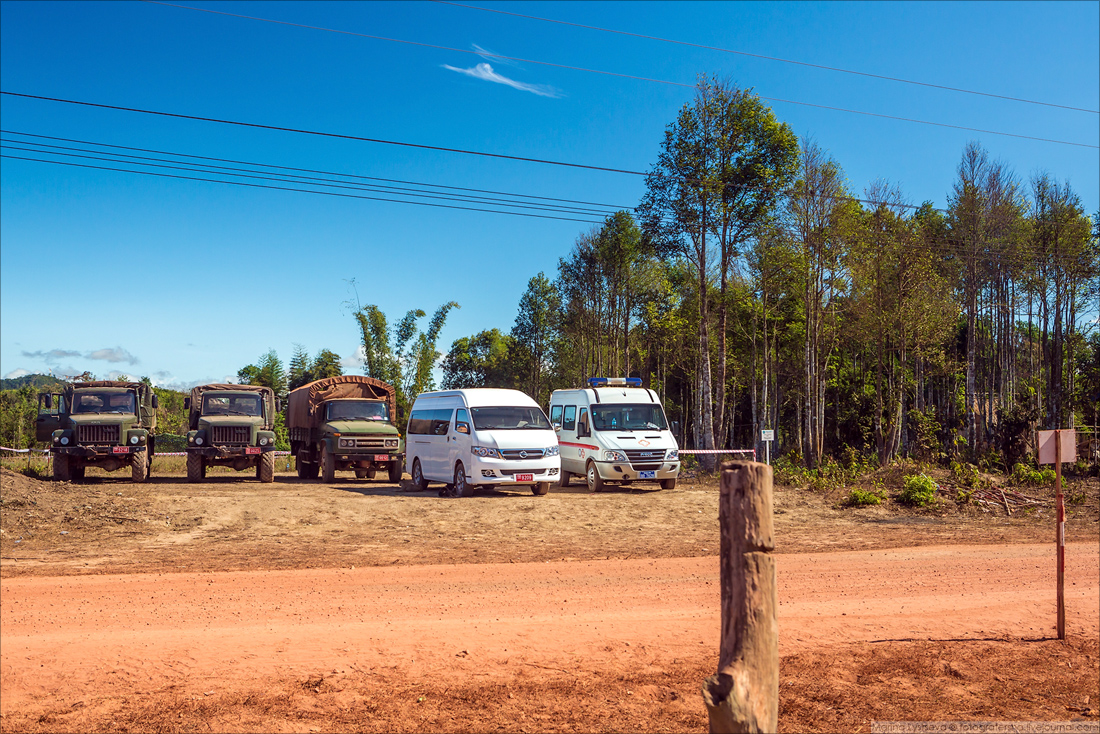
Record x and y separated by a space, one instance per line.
139 466
462 488
77 473
419 482
395 471
541 488
196 471
302 467
328 465
668 483
265 469
61 471
595 481
565 477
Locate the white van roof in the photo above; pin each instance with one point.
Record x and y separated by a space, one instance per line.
476 397
608 395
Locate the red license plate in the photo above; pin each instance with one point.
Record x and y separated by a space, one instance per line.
121 449
525 477
381 457
252 449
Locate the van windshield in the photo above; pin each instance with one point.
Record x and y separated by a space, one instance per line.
509 419
626 417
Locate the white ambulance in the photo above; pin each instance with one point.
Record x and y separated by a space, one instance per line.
614 430
480 437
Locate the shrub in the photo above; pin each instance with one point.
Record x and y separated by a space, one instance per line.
1024 474
919 490
859 497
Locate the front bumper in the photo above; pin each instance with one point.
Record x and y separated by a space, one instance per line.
98 451
369 456
503 471
226 452
618 471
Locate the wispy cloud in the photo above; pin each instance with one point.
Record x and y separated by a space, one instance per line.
118 354
53 356
491 56
486 73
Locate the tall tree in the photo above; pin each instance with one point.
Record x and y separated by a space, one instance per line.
534 332
481 360
268 371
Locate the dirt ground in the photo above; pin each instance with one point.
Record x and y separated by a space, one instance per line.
357 605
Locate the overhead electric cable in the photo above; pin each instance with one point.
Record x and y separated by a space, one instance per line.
303 191
484 54
762 56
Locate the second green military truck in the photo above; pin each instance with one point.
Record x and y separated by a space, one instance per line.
345 422
231 425
107 424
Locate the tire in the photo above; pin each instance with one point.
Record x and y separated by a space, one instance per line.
61 470
139 467
541 488
265 469
396 471
565 477
328 465
418 480
668 483
592 475
196 472
462 488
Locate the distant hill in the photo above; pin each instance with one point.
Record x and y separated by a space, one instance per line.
39 381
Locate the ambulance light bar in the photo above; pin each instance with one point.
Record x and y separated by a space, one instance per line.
614 381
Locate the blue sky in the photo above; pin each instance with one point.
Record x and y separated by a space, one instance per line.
188 281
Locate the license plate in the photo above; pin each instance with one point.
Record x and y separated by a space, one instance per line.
381 457
647 475
121 449
525 477
252 449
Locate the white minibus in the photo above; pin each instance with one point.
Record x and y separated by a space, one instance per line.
480 437
615 430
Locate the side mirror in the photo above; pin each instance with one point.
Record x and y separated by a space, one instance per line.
557 426
462 428
278 405
156 403
49 401
187 403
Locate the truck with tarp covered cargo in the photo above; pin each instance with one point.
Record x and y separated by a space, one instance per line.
345 423
106 424
231 425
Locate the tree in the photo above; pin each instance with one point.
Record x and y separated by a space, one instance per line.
481 360
268 372
533 334
325 364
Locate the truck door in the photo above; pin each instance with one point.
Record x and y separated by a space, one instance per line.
51 406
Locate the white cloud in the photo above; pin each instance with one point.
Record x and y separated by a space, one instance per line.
118 354
17 372
490 56
486 73
355 361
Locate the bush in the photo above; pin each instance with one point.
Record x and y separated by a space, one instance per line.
859 497
170 443
919 490
1024 474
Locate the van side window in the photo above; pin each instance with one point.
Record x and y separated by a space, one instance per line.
555 414
582 423
441 421
420 422
569 421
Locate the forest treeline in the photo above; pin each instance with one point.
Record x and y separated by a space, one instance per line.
753 288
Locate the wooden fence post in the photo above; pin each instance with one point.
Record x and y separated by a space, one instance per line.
744 695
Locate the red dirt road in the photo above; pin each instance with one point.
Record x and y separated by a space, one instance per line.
88 637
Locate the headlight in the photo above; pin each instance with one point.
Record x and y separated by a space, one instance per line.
198 440
133 439
64 440
613 456
673 454
392 442
552 451
263 442
347 443
485 452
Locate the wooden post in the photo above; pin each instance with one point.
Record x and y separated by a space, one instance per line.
744 695
1060 538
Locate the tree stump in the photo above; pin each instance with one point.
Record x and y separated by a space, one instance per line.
744 695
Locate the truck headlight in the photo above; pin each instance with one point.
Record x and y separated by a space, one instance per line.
552 451
198 440
134 440
64 440
392 443
614 456
673 454
263 441
347 443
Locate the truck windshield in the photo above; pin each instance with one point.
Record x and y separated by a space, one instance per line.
86 401
357 410
509 419
232 405
625 417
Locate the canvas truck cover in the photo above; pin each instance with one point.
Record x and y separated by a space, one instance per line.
197 393
303 401
148 416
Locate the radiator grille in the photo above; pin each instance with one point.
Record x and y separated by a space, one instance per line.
635 455
97 434
231 434
517 454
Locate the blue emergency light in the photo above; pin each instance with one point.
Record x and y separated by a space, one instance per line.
614 381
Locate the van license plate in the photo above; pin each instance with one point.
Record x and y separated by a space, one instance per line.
121 449
647 475
525 477
252 449
381 457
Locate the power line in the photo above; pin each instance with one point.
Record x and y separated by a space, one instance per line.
614 74
762 56
297 190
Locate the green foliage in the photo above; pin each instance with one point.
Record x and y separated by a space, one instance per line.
170 443
858 497
918 490
18 411
481 360
1034 477
304 370
268 372
40 382
966 474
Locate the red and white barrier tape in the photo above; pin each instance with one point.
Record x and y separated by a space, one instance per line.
718 451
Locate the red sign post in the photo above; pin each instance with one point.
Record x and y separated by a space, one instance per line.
1054 448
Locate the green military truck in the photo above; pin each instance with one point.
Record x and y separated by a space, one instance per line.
103 423
342 423
231 425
